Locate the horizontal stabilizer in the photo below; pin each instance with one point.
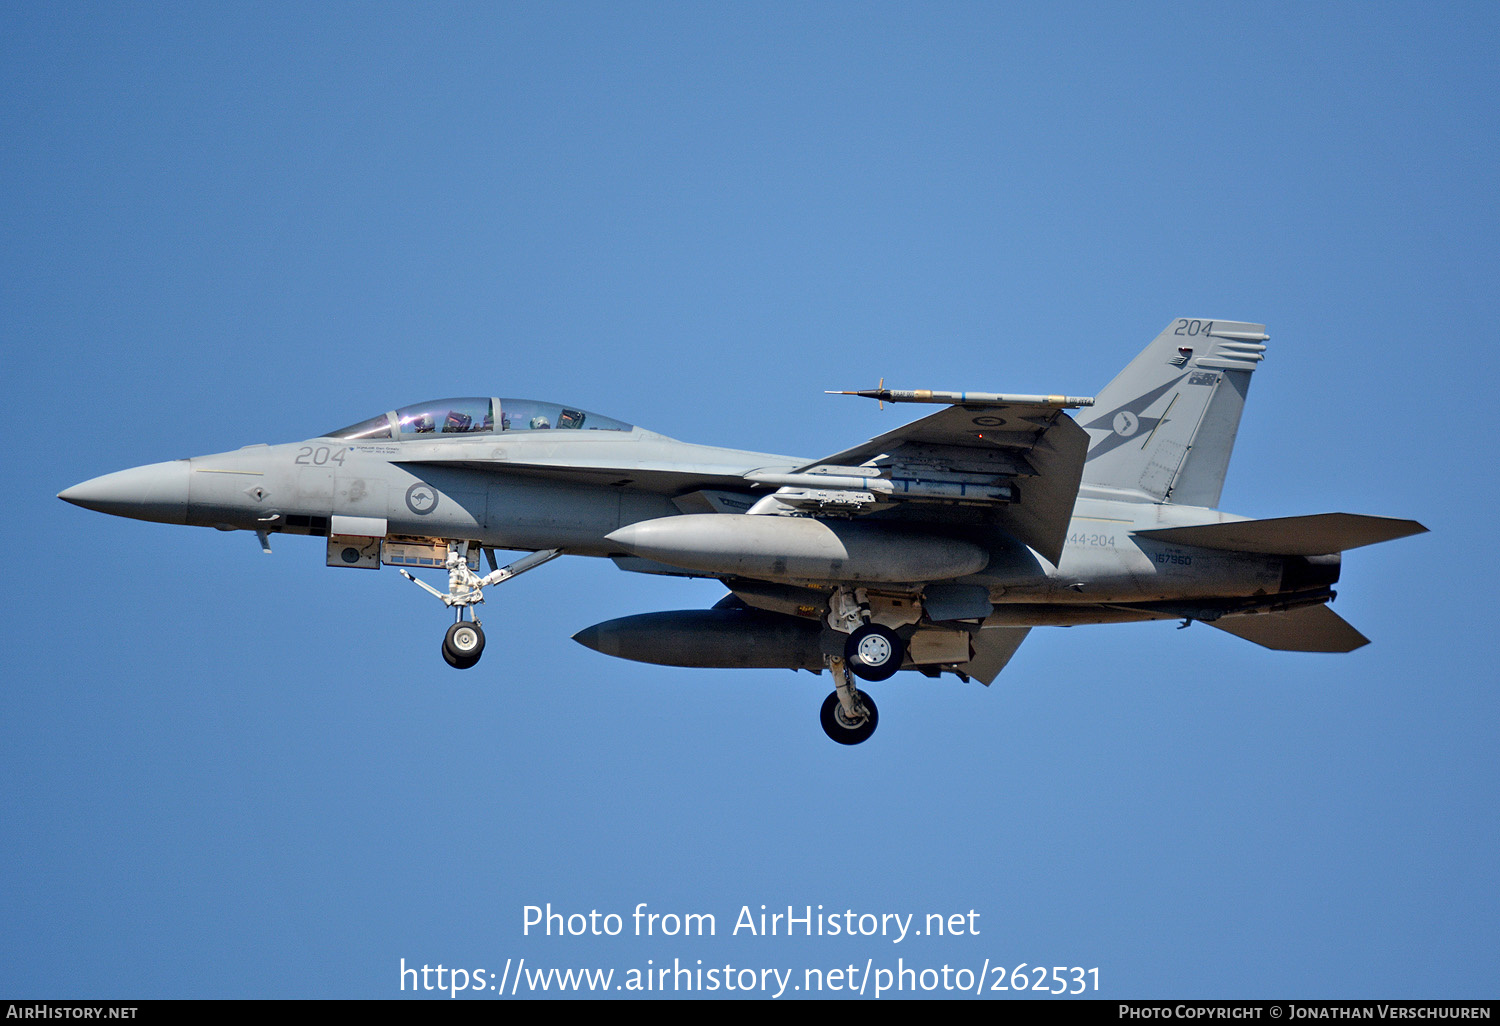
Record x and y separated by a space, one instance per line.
1308 629
1315 535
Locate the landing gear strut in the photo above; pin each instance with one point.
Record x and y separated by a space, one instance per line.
873 651
849 715
464 642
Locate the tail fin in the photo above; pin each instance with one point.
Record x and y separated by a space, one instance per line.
1164 428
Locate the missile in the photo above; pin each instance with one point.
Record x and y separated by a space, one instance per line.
927 395
774 548
725 638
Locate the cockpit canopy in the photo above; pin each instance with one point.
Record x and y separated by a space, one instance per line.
449 417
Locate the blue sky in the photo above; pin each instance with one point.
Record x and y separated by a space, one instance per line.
223 774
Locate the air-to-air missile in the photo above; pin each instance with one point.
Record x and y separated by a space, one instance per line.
927 395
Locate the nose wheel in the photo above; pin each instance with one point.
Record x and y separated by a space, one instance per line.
463 644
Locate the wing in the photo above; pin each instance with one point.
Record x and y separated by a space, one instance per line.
1014 466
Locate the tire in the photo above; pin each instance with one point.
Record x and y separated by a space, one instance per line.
837 728
874 652
455 662
465 640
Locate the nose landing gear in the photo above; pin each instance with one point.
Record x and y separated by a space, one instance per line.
464 642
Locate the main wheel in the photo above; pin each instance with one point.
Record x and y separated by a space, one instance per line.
463 644
837 726
874 652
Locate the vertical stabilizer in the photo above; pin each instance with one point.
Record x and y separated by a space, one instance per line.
1164 428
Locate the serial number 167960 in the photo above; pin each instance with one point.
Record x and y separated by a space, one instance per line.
1174 558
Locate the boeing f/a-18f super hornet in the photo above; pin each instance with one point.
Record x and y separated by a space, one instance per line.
935 547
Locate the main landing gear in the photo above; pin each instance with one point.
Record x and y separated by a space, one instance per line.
849 715
464 642
872 652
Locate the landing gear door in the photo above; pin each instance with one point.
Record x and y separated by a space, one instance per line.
361 553
356 541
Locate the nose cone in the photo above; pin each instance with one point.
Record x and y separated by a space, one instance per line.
158 491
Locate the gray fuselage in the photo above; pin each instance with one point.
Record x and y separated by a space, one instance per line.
570 490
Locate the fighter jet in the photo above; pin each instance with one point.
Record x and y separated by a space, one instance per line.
933 548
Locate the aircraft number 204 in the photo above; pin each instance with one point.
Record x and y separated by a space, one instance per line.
308 456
